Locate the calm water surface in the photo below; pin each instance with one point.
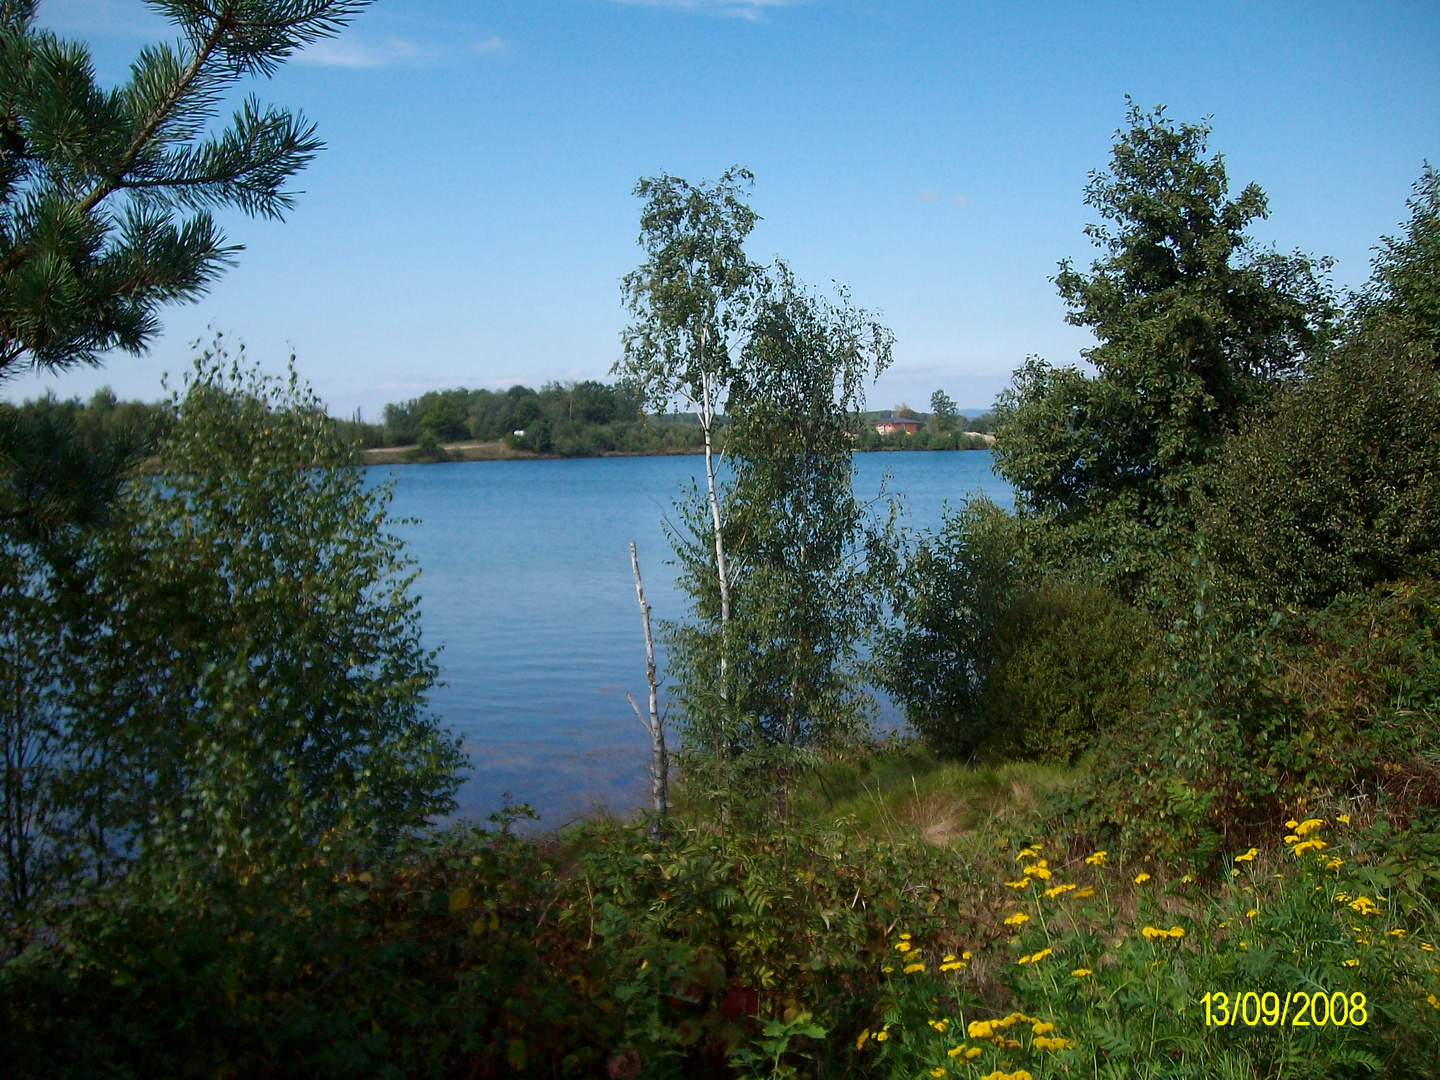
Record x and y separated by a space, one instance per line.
525 586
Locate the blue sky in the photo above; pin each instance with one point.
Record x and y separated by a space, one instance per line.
472 216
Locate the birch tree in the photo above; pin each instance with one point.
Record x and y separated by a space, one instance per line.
689 301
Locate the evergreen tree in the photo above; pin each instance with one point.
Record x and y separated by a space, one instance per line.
106 194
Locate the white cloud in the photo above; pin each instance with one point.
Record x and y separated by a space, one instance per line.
751 10
353 52
490 45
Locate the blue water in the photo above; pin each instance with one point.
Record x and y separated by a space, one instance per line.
525 586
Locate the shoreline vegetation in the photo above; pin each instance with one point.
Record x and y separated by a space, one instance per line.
461 425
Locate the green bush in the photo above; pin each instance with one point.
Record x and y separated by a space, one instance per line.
992 654
1068 665
1253 721
1338 489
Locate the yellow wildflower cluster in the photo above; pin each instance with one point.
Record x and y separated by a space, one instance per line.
1096 859
1017 919
1080 973
939 1025
913 969
1363 905
1029 853
1018 1074
1082 893
1141 878
969 1053
865 1036
1058 889
1152 932
1249 856
1035 958
1057 1043
1018 884
987 1029
954 963
1040 870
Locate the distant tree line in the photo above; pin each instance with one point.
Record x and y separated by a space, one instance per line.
573 419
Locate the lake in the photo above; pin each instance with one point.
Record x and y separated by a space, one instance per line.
526 588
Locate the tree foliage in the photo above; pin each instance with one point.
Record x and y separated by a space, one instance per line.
802 545
106 195
236 675
690 297
1195 326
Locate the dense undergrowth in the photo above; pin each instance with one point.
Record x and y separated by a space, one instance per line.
839 947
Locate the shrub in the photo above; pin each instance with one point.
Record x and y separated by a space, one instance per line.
1339 489
1068 665
1253 719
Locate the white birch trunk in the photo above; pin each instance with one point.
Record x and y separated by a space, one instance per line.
659 759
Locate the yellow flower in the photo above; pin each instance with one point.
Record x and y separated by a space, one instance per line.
1040 870
1177 931
1332 863
887 969
1056 1043
1016 919
1249 856
1352 963
1398 932
953 965
1425 946
956 1052
911 969
863 1039
1364 905
1343 819
1433 1001
1028 853
1080 973
939 1025
1057 890
904 937
980 1029
1096 859
1141 878
1035 958
973 1053
903 946
965 955
881 1036
1043 1028
1252 913
1018 884
937 1072
1309 845
1307 826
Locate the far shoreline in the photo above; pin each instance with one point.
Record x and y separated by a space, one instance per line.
497 451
